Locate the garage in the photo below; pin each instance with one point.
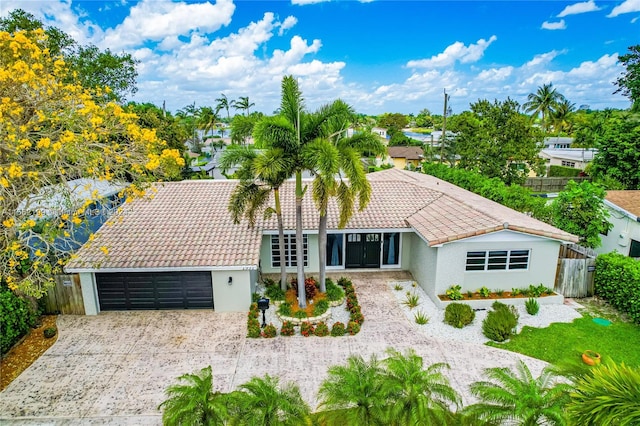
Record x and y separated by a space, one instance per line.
154 290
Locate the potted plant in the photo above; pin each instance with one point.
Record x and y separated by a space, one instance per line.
591 357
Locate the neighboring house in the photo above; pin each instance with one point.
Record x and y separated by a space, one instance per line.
624 215
66 198
182 250
577 158
557 142
403 156
380 132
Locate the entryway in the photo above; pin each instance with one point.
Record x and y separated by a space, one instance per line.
363 250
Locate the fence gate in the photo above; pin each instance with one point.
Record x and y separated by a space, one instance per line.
66 296
575 275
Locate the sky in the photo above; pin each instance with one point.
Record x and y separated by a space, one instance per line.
378 56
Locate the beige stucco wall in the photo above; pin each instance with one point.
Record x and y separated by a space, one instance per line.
235 297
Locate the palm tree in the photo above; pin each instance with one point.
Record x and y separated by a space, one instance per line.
223 103
606 395
521 398
561 116
420 396
543 102
264 402
353 394
340 173
260 174
187 118
194 403
243 104
206 119
293 131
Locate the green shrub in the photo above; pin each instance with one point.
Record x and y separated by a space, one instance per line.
254 297
484 292
499 292
274 293
353 328
532 306
454 292
300 315
16 318
356 317
285 309
563 171
421 318
307 329
268 282
469 294
500 324
458 315
411 301
337 329
321 329
253 330
516 291
617 279
49 332
537 291
320 307
287 329
334 292
269 331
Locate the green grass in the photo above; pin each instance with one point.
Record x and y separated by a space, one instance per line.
563 343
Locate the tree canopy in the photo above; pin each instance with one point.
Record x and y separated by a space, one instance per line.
629 82
52 132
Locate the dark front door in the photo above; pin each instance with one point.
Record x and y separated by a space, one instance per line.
363 250
154 290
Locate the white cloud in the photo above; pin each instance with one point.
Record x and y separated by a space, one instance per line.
287 24
543 59
306 2
454 52
628 6
577 8
560 25
155 20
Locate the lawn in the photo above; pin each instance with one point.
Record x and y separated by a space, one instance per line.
563 343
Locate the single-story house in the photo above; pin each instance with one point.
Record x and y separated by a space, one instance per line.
577 158
180 249
624 215
557 142
403 156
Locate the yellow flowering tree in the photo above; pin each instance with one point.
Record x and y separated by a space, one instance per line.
52 132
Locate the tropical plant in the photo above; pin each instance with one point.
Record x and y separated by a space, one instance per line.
421 396
517 397
206 120
242 104
607 395
337 329
411 301
269 331
454 292
484 292
543 103
353 393
421 318
194 402
223 103
264 401
532 306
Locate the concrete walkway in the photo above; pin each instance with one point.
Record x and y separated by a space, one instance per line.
113 368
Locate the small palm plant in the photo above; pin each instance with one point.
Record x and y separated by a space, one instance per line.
411 300
353 394
518 397
263 402
194 403
420 395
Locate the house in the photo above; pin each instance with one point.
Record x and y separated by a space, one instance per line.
557 142
624 215
181 249
403 157
577 158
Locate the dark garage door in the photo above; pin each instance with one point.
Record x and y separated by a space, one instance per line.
159 290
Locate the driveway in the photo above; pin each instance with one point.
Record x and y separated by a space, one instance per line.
113 368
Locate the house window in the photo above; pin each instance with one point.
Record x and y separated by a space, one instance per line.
391 248
334 250
568 163
496 260
290 255
634 249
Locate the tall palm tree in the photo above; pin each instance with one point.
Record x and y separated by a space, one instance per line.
340 173
561 117
243 104
223 103
293 131
421 396
353 394
194 403
543 102
206 119
517 396
264 402
261 173
606 395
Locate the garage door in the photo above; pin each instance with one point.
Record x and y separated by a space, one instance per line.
161 290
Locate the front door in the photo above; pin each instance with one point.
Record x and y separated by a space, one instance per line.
363 250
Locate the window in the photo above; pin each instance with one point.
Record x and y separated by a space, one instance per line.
497 260
391 248
634 249
334 250
289 251
568 163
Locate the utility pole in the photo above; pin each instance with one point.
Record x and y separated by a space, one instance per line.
444 126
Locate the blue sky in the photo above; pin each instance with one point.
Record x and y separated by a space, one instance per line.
379 56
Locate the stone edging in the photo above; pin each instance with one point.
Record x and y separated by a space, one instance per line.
313 320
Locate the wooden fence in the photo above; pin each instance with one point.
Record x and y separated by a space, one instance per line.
551 184
576 266
66 296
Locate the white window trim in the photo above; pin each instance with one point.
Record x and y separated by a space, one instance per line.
397 265
288 251
486 259
344 252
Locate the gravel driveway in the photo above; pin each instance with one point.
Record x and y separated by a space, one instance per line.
113 368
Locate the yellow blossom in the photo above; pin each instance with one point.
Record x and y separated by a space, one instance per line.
104 249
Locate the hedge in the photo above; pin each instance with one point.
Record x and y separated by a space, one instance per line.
617 279
16 318
563 171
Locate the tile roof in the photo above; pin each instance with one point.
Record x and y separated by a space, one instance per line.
408 152
629 200
187 224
